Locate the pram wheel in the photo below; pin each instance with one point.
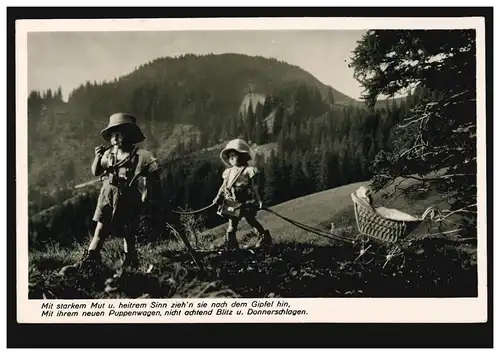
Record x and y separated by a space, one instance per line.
365 255
391 256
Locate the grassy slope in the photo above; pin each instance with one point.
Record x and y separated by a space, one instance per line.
299 264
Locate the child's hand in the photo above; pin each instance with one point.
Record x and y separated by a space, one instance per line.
99 151
260 205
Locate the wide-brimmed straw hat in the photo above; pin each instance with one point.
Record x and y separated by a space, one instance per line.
237 145
125 123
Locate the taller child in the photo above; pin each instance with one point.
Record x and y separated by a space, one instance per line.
129 174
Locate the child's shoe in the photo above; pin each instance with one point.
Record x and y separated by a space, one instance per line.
90 256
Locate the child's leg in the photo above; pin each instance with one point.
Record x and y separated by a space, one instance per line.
93 253
232 226
101 232
256 226
264 235
130 253
129 245
232 242
129 241
129 229
103 216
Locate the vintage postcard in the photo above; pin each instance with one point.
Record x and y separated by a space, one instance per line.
251 170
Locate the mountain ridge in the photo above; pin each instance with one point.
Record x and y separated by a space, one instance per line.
200 91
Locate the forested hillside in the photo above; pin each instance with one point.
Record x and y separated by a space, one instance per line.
202 92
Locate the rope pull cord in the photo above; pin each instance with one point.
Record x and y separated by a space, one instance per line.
308 228
190 213
311 229
297 224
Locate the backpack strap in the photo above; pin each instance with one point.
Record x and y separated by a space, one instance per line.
114 168
127 159
230 185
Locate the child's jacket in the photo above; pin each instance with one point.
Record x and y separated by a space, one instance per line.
241 180
140 161
118 202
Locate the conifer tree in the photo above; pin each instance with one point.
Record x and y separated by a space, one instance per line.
250 124
435 143
278 120
259 130
322 172
330 97
271 179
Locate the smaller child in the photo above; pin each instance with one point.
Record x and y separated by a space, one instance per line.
238 186
128 173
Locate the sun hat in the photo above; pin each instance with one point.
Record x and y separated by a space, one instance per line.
126 123
238 145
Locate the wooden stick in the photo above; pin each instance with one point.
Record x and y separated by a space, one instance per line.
88 183
189 248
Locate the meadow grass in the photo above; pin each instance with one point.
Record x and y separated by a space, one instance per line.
166 270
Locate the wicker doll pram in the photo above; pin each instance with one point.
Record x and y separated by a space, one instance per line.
384 224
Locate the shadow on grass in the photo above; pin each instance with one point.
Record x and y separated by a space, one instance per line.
281 270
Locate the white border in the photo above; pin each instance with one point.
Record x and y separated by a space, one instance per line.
320 309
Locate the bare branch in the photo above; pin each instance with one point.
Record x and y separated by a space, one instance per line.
456 95
464 129
441 177
408 151
411 122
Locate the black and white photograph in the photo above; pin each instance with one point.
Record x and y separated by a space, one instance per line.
254 164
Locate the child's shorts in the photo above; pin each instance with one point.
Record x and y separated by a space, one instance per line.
117 208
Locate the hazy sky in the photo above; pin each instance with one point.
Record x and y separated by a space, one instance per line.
68 59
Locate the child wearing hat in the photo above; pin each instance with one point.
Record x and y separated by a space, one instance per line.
127 172
239 186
